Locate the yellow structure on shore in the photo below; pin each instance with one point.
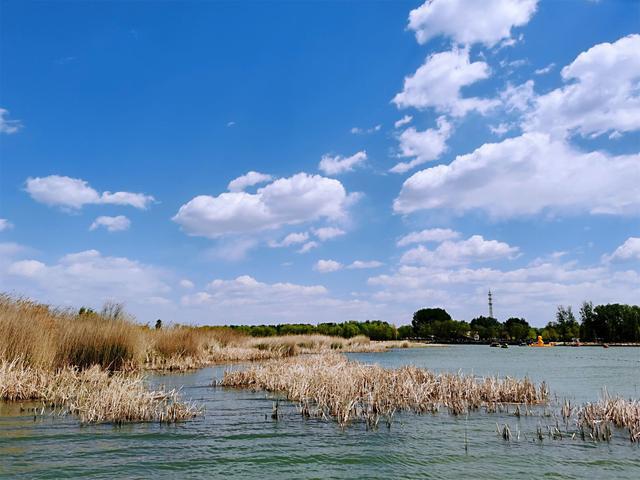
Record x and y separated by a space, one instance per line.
540 343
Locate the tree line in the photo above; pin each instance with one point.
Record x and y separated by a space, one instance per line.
374 329
602 323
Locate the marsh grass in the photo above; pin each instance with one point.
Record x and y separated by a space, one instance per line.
330 386
597 418
93 394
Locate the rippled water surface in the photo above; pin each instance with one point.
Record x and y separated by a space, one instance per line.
236 437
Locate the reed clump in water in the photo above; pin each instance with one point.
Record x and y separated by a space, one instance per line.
598 417
331 386
93 394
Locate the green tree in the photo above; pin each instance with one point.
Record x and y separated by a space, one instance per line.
424 319
488 328
517 328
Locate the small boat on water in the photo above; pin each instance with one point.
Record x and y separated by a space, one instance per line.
605 345
540 343
504 345
494 344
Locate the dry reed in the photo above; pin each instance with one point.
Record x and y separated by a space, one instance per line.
331 386
598 417
93 394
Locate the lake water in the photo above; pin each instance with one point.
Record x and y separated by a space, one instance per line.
237 438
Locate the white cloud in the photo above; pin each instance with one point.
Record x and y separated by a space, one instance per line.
326 266
8 126
545 70
527 175
291 239
286 201
518 98
403 121
629 250
601 96
231 249
470 21
430 235
532 291
500 129
112 224
74 193
364 264
186 283
474 249
327 233
363 131
423 146
437 84
248 180
88 278
5 225
27 268
308 246
335 165
246 300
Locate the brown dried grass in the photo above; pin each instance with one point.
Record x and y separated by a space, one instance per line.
93 394
331 386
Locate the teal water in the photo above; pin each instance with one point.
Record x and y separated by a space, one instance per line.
237 438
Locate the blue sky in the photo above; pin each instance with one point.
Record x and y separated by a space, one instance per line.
405 155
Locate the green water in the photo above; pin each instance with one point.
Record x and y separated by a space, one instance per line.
237 438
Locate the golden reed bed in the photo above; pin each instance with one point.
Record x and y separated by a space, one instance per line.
94 395
331 386
89 363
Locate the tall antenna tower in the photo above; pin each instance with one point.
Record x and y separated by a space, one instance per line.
490 304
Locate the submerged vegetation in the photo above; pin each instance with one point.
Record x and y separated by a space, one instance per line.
332 386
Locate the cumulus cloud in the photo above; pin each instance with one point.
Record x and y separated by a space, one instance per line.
364 131
437 84
364 264
112 224
327 233
248 180
5 225
601 94
629 250
308 246
291 239
532 290
545 70
470 21
74 193
474 249
88 277
286 201
8 126
423 146
403 121
326 266
527 175
186 283
337 164
429 235
248 300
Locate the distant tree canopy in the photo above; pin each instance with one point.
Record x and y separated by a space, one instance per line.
487 328
606 323
374 329
610 323
436 322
